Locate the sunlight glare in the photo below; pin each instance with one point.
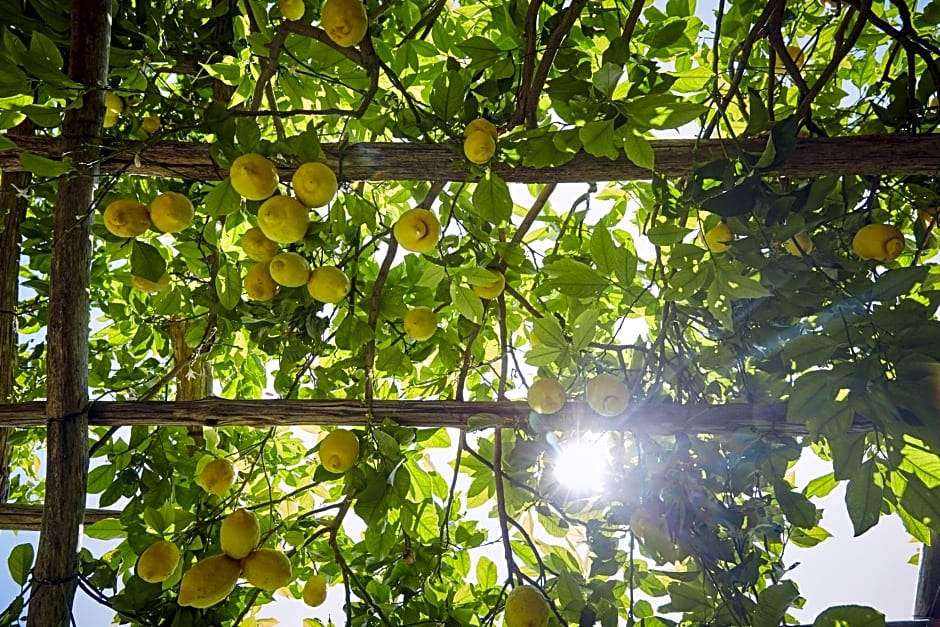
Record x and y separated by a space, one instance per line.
582 465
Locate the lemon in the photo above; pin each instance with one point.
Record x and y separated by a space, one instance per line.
328 284
257 246
526 607
481 124
209 581
291 9
479 147
315 590
151 287
339 450
268 569
494 289
345 21
314 184
417 230
126 218
253 176
546 396
289 270
607 395
171 212
283 219
718 237
151 124
799 245
420 323
158 561
239 534
217 477
796 53
110 118
879 242
113 103
258 282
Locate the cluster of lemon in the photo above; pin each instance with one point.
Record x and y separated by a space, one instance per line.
212 579
479 144
874 242
605 394
170 212
284 220
114 108
345 21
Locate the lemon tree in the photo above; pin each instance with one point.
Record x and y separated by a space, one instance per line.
366 203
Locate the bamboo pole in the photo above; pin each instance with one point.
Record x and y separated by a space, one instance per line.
55 574
869 155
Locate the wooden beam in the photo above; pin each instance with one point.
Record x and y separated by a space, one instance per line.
55 574
656 418
871 155
29 517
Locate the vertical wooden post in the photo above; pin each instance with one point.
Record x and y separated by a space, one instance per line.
12 209
55 573
927 601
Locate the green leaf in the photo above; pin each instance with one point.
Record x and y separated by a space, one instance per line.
773 603
924 464
491 199
466 302
896 282
585 327
808 538
574 278
448 94
797 508
7 144
639 150
106 529
388 446
921 502
222 200
863 497
605 79
598 138
146 261
228 286
99 478
667 234
20 562
821 486
549 332
759 118
850 616
41 166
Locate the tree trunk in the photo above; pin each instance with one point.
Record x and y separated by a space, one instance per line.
12 210
872 155
927 602
55 574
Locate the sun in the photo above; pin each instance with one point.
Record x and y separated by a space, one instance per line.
582 464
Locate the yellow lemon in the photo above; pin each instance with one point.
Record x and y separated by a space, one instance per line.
291 9
494 289
158 561
126 218
315 590
151 124
526 607
479 147
328 284
314 184
253 176
481 124
209 581
880 242
239 534
268 569
258 282
289 270
607 395
718 238
417 230
110 118
257 246
217 477
339 450
420 323
799 245
151 287
171 212
546 396
283 219
796 53
113 103
345 21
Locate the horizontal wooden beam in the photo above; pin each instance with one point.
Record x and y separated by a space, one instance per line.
654 418
29 517
870 155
